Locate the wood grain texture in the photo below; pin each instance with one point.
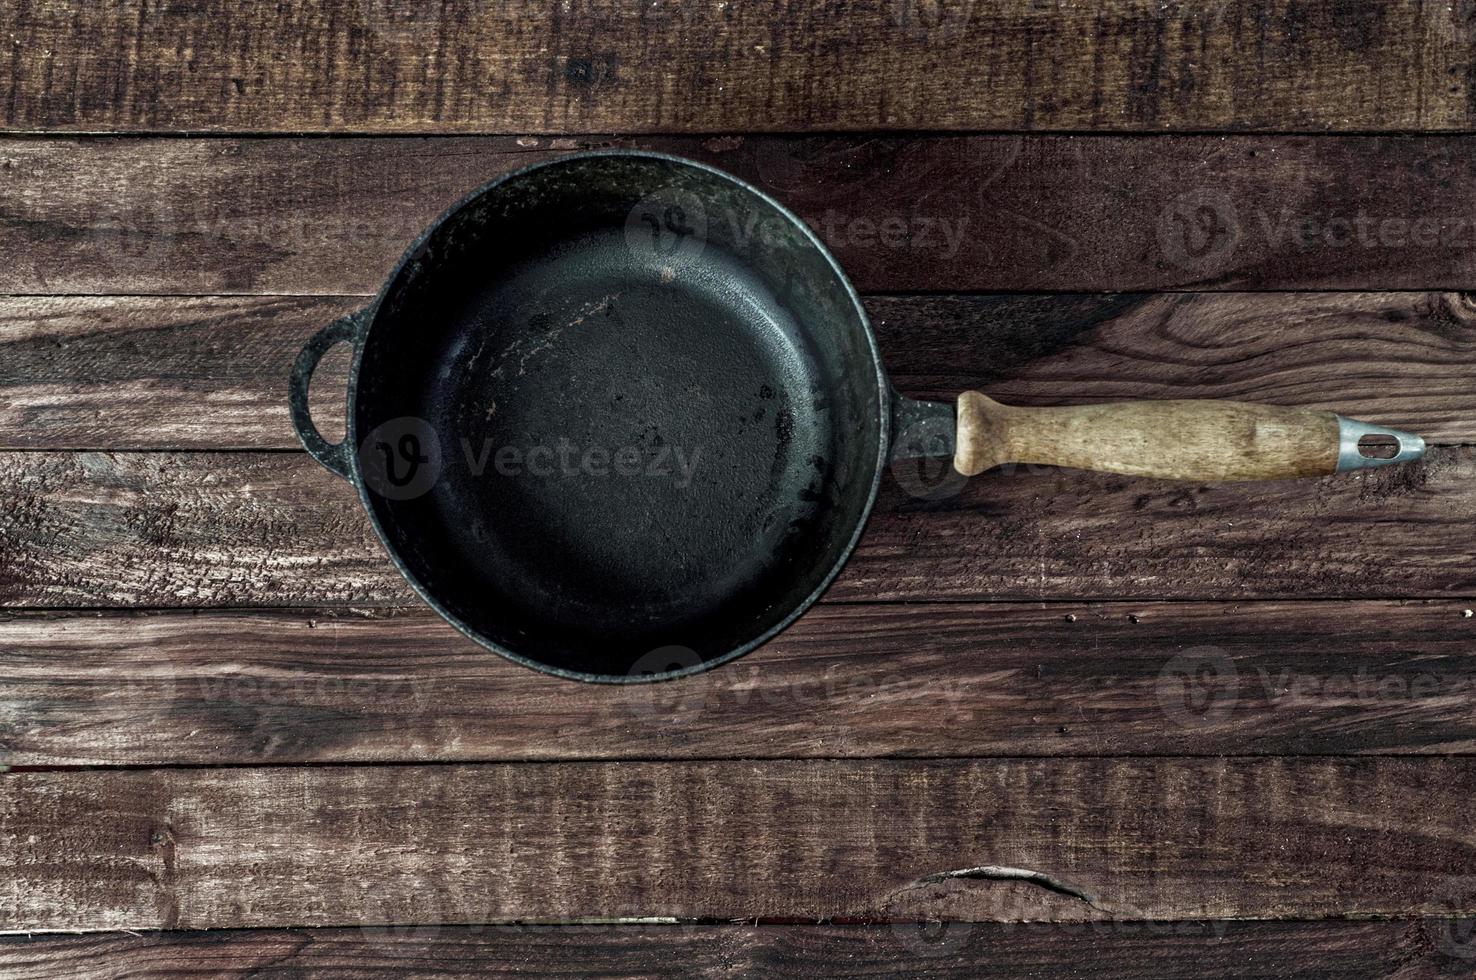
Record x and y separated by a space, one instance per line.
1033 532
847 681
205 528
210 372
599 65
152 373
949 213
1410 950
1398 359
1147 839
1174 439
275 529
590 822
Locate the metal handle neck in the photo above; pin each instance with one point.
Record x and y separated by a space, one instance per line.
1351 431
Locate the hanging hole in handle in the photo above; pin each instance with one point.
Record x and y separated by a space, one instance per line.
1378 446
328 391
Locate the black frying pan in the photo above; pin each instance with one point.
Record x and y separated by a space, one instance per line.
620 416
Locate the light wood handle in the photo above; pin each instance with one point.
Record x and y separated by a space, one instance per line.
1184 440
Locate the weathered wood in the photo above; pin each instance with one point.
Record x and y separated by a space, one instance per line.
203 529
210 372
977 213
1410 950
275 529
601 65
1154 839
841 835
1365 355
1044 533
847 681
155 373
1170 439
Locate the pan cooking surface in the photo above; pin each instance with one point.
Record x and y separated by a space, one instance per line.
650 443
634 446
652 449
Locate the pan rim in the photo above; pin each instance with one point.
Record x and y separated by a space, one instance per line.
884 392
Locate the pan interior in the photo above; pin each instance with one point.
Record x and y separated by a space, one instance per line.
651 407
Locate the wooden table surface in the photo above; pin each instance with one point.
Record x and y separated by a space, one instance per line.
1216 730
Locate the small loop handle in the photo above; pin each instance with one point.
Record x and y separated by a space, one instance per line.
334 456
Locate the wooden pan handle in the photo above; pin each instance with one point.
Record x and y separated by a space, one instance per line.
1176 440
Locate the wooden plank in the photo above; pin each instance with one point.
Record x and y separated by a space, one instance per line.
209 372
157 373
203 528
847 681
936 213
445 845
1041 533
1398 358
275 529
1411 950
600 65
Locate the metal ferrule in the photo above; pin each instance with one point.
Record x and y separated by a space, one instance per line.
1350 431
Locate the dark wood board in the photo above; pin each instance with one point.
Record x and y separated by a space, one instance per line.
210 372
848 681
935 213
276 529
1409 950
1041 533
1135 702
1270 838
603 65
